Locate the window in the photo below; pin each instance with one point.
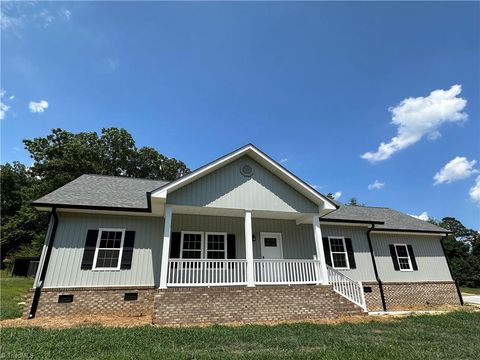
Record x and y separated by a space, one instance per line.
338 252
191 247
403 258
109 249
270 242
216 246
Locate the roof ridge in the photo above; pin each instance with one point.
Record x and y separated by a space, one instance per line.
122 177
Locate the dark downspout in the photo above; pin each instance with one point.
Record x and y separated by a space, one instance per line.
36 296
380 285
459 293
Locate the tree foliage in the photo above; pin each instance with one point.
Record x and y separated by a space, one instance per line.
59 158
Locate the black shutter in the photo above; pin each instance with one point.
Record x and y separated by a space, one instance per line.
326 250
128 243
231 248
412 257
89 251
175 240
351 255
394 257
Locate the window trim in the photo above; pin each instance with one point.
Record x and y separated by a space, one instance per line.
339 252
403 257
97 248
206 244
201 233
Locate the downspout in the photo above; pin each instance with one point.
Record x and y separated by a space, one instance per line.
43 270
380 285
459 293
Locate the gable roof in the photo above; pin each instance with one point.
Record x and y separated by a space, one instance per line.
263 159
102 192
384 219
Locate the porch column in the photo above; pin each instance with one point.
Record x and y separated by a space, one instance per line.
249 248
317 232
166 246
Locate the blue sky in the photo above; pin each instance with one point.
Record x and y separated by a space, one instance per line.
314 85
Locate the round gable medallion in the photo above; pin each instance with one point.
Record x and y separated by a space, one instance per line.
246 170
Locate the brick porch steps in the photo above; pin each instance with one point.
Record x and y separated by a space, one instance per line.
223 305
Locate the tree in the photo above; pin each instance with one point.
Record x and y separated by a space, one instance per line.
354 202
59 158
330 196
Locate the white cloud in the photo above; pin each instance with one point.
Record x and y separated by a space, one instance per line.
423 216
337 195
419 117
475 191
456 169
38 107
376 185
3 107
283 161
65 14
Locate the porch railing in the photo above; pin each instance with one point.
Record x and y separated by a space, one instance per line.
348 288
283 271
206 272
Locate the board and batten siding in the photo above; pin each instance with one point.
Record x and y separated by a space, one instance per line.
364 267
228 188
66 257
431 261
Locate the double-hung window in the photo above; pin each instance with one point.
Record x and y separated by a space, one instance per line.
338 253
192 245
403 258
216 246
199 245
109 248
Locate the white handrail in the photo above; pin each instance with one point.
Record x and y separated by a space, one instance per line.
348 288
285 271
206 272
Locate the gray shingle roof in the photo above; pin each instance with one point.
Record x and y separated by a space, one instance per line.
392 219
124 192
104 191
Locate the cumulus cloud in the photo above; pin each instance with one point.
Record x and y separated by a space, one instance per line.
376 185
38 107
3 107
419 117
475 191
337 195
423 216
456 169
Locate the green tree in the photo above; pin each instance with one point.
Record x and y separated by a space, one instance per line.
354 202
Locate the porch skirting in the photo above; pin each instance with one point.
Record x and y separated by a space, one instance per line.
261 304
411 295
93 301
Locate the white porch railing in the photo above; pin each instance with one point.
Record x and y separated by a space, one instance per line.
283 271
348 288
206 272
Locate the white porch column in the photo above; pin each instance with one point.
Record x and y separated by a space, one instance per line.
317 232
166 246
249 248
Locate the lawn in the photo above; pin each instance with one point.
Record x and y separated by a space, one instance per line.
448 336
13 290
467 290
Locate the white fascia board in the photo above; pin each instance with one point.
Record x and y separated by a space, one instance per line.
251 150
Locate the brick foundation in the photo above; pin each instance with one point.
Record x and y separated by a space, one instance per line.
249 305
95 301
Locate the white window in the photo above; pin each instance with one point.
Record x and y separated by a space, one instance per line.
338 253
192 245
403 258
216 245
108 252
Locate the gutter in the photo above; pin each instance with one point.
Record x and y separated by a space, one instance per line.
459 293
377 277
43 270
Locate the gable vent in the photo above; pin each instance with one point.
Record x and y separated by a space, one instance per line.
246 170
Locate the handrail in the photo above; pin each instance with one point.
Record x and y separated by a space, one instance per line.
285 271
348 288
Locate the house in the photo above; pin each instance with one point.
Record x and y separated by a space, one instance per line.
240 239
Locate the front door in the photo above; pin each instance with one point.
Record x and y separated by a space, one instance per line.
271 245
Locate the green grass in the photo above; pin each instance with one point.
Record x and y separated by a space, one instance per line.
467 290
13 290
447 336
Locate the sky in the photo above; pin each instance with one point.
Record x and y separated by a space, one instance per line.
374 100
